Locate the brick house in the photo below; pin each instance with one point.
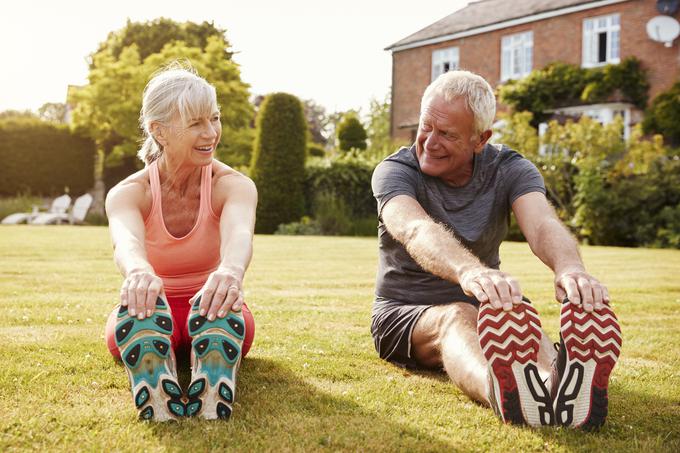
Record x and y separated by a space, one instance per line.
502 40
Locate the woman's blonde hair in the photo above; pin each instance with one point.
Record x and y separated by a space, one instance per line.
176 89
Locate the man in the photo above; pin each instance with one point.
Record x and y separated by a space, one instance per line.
441 300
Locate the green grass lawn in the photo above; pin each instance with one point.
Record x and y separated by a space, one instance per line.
312 380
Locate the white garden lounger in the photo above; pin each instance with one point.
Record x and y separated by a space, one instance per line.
77 214
59 205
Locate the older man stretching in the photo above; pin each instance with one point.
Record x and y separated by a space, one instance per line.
441 301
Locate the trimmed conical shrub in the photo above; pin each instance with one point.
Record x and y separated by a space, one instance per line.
278 165
351 133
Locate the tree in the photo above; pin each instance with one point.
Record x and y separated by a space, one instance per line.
317 122
150 37
17 115
107 109
378 130
351 133
278 166
54 112
662 115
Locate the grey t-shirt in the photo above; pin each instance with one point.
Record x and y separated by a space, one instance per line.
478 213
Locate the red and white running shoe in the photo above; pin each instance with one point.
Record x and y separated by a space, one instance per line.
590 345
510 342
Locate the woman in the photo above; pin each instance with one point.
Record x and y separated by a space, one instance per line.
182 231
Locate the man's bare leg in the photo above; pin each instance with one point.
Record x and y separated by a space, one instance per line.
446 335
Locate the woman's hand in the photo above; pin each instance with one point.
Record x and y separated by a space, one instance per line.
139 293
221 293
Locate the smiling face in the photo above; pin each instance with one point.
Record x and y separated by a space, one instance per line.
192 142
447 140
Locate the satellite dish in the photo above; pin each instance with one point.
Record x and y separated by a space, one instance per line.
663 29
668 7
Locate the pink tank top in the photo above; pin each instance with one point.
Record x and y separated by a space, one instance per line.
185 263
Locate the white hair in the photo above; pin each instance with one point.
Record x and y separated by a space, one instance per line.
176 89
469 86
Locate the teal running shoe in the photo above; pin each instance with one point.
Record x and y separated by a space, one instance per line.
215 360
146 351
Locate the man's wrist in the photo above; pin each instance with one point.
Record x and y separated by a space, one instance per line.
464 268
569 268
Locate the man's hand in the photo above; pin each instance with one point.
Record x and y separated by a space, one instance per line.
221 293
579 287
491 285
139 292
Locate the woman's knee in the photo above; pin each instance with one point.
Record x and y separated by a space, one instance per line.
110 332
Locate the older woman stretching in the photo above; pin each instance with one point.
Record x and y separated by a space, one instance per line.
182 231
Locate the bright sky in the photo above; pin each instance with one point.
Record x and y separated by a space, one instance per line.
328 51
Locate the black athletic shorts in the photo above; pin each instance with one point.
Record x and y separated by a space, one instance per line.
392 324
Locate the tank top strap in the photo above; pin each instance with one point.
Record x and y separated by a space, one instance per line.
206 190
155 181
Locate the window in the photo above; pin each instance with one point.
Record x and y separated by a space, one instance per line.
516 55
444 60
601 40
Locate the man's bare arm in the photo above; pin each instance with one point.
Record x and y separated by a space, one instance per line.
552 243
437 251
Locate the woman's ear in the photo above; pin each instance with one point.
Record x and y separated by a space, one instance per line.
158 132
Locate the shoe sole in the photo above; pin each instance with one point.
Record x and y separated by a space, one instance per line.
510 342
593 345
216 350
146 351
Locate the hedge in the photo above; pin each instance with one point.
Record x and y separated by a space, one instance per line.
347 180
43 159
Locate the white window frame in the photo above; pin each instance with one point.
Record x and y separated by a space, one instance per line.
593 28
441 58
517 54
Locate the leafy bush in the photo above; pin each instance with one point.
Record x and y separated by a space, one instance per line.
622 191
351 133
367 226
278 166
315 150
610 192
305 227
43 159
663 115
349 179
624 81
562 84
236 148
332 214
21 203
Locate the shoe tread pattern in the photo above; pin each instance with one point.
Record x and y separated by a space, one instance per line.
592 343
146 351
511 340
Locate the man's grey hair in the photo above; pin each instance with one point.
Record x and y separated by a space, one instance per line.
467 85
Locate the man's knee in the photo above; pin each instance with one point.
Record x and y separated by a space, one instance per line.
433 326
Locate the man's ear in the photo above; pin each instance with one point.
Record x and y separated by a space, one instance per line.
483 139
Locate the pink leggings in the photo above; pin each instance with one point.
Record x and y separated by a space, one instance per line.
181 341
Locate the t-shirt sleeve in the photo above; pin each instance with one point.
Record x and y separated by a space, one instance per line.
390 179
522 177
